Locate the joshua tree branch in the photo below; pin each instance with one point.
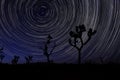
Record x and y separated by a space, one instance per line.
87 41
81 41
53 49
75 41
74 45
70 42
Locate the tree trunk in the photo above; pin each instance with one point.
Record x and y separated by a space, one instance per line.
48 59
79 56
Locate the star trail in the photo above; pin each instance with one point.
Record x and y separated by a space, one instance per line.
25 24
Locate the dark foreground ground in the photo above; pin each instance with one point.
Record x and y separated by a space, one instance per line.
45 71
59 67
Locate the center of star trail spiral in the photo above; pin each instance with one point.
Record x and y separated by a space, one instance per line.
40 10
25 24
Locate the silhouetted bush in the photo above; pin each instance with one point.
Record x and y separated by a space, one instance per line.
29 59
15 60
1 55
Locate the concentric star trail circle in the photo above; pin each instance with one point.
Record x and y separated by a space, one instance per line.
25 24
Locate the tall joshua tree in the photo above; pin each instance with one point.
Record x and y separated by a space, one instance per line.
46 51
1 55
76 39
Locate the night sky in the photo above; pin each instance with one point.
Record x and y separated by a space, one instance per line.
25 24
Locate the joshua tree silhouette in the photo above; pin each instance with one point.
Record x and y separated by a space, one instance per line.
15 59
46 50
76 39
1 55
29 59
